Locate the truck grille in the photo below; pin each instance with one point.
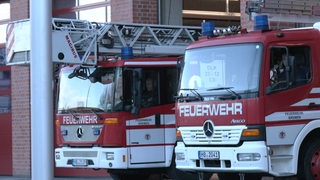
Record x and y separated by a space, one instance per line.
223 135
80 153
81 133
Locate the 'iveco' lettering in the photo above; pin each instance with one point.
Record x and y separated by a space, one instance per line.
80 120
211 109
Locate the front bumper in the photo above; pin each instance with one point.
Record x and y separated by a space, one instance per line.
95 157
249 157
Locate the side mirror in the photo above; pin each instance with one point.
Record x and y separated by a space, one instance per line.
135 110
80 72
269 90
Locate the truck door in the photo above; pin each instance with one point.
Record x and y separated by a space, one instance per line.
147 136
288 91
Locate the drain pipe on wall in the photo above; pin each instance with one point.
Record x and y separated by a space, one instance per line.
159 12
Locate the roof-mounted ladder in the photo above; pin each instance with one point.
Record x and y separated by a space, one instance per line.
82 42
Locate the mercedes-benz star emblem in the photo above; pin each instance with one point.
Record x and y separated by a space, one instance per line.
208 128
79 132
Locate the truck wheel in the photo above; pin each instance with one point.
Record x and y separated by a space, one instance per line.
176 174
226 176
116 176
309 161
182 175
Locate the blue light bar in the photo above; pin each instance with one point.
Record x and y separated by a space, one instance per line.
207 28
126 53
261 22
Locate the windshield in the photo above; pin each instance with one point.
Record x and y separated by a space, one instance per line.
222 69
99 90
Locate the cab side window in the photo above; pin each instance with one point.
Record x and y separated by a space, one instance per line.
290 66
159 86
302 65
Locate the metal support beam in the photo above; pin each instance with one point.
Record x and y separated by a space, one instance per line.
41 91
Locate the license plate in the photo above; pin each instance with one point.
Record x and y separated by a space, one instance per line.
209 155
79 162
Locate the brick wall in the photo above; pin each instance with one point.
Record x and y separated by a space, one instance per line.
121 11
244 19
21 135
145 11
281 25
19 9
134 11
247 23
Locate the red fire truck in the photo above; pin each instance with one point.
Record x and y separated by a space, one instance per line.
115 93
248 103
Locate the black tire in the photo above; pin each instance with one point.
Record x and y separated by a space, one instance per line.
115 176
225 176
118 176
235 176
176 174
309 161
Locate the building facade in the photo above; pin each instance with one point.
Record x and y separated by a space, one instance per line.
15 133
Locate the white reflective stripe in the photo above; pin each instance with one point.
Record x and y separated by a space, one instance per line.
306 102
315 90
10 41
166 119
169 119
149 120
292 115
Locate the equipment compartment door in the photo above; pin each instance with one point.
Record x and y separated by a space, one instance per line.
146 141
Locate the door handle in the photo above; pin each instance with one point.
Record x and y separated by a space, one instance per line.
313 105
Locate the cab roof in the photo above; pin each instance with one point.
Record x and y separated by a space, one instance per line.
262 36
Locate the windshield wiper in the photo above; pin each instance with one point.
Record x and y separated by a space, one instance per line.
70 112
83 109
227 89
195 92
93 110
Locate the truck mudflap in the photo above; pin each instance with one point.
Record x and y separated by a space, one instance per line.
249 157
94 157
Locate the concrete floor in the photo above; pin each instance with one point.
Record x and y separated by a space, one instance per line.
214 177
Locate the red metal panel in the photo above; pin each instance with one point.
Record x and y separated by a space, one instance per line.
5 135
5 144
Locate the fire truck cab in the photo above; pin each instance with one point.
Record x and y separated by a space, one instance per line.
117 116
248 104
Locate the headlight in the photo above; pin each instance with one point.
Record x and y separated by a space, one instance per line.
248 156
180 156
110 156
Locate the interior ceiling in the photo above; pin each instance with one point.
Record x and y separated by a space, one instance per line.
222 12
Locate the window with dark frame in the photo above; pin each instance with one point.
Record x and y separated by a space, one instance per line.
290 66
